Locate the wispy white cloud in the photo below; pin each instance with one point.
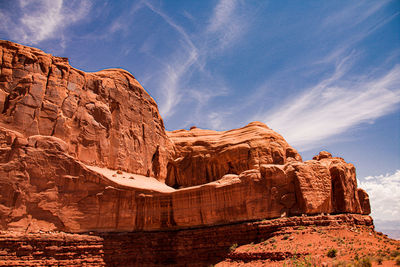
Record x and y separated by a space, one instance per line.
341 101
384 194
171 82
43 19
174 25
192 54
335 105
216 119
222 14
226 24
122 23
357 12
350 42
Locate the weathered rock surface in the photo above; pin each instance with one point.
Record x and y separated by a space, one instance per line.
88 152
203 156
44 188
106 118
51 249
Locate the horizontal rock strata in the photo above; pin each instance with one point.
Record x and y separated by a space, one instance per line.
51 249
195 247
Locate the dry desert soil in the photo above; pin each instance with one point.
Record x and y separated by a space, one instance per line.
310 246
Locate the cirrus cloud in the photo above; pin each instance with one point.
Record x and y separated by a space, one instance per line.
40 20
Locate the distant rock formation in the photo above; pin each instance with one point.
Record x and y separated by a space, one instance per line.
88 151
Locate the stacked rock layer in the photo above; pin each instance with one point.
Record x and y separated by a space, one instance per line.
89 151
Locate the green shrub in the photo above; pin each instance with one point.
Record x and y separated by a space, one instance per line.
332 253
397 260
394 253
364 262
233 247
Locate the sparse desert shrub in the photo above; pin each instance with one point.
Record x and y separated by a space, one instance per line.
233 247
307 261
272 240
379 260
397 260
363 262
366 262
394 253
285 237
340 264
331 253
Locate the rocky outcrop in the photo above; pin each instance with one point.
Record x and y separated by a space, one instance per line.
364 201
44 188
203 156
106 118
88 152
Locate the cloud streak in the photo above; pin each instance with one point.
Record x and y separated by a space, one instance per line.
363 12
192 54
221 15
341 101
170 83
334 106
225 25
43 19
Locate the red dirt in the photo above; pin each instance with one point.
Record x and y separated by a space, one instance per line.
309 246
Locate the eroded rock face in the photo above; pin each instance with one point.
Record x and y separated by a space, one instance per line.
364 201
106 118
65 136
44 188
203 156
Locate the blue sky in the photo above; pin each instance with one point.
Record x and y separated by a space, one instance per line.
324 74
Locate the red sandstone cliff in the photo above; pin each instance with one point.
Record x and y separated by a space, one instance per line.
202 156
106 118
64 133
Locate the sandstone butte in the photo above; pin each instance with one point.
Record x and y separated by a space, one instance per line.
89 152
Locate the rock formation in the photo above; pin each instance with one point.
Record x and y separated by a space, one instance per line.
191 247
89 152
105 118
203 156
